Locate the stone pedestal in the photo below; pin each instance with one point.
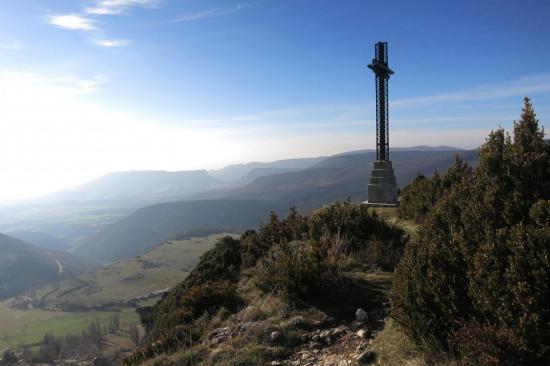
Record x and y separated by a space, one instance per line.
382 184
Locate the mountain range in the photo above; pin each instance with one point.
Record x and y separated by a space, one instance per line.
127 213
138 186
235 172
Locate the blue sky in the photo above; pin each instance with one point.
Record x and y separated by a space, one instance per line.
91 86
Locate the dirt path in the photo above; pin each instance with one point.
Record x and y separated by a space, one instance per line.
59 266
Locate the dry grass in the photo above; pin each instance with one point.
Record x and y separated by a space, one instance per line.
390 214
394 348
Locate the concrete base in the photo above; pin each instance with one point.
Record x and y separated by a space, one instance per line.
382 184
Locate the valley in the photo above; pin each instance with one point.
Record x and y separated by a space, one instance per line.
102 223
132 252
274 183
68 306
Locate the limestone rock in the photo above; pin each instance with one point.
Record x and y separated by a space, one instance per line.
275 336
361 315
362 333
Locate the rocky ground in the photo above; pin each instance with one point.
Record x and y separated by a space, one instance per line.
331 342
270 332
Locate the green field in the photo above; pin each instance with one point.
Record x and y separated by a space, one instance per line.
135 278
27 327
138 279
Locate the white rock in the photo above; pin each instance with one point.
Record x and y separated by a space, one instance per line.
275 336
362 333
361 315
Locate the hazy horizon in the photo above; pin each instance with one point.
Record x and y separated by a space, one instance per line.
94 86
8 202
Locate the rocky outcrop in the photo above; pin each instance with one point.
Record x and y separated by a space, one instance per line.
343 345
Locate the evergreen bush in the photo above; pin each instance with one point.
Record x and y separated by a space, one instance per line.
483 251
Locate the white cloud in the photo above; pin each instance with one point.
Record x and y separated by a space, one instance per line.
111 43
73 22
116 7
10 44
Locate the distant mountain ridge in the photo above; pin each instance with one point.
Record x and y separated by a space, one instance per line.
236 172
141 185
39 239
262 172
236 209
411 148
88 212
338 177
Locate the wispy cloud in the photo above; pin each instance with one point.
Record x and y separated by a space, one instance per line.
73 22
10 44
116 7
205 14
112 43
22 82
440 112
85 21
525 86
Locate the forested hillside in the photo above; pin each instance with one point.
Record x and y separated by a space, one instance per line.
23 266
149 226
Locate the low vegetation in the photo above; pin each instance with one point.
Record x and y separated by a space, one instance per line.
475 281
470 288
299 263
418 198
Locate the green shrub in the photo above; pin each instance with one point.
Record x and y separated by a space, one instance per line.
484 345
252 248
223 262
295 269
214 276
419 197
352 226
298 256
8 359
275 231
483 252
